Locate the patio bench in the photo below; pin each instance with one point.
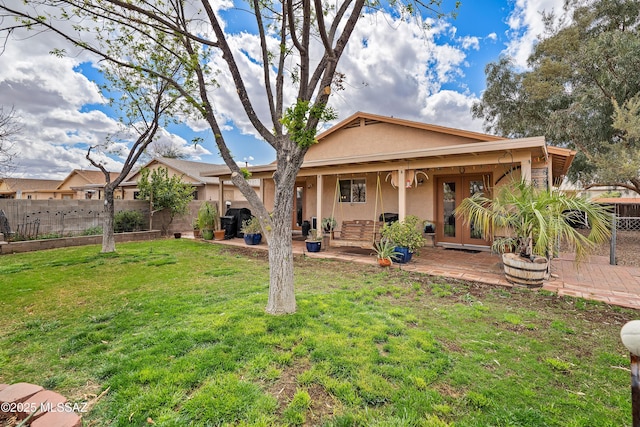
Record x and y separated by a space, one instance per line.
359 233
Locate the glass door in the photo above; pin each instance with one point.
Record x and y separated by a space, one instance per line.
450 192
298 207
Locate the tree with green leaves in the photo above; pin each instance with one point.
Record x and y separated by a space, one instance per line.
579 73
301 43
165 192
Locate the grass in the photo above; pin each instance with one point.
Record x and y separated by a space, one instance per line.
176 330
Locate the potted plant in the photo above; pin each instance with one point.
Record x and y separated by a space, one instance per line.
328 224
219 234
252 231
313 241
207 219
406 237
385 252
532 222
196 229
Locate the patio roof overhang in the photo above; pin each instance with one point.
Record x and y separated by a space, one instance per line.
461 155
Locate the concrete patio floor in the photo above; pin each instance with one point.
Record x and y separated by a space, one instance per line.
594 279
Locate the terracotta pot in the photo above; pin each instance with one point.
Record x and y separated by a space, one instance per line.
218 234
384 262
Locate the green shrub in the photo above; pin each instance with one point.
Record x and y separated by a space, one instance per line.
92 231
127 221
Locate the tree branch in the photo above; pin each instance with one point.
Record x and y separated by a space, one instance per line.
266 62
227 55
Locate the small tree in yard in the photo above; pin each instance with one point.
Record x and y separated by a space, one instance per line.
144 105
164 192
300 45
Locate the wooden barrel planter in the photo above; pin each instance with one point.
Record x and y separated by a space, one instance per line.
523 271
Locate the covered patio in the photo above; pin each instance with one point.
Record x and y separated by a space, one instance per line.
370 165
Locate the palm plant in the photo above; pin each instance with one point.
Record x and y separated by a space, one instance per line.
534 220
385 249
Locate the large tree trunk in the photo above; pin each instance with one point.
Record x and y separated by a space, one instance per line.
108 238
282 298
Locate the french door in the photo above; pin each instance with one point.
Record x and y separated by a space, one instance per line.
298 206
451 190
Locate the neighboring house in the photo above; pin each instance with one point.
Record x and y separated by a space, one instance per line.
206 188
31 189
367 165
85 184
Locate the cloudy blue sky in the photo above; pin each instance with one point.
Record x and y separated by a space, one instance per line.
392 68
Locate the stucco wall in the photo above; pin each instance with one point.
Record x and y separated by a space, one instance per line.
379 138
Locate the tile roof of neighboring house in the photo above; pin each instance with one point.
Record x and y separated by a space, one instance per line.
189 168
618 200
94 177
192 169
28 184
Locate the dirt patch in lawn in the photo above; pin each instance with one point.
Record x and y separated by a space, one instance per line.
323 404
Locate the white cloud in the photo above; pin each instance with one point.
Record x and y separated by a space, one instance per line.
469 42
50 96
402 78
399 78
166 140
452 109
527 26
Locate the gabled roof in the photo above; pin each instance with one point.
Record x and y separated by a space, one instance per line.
29 184
355 120
186 167
194 170
90 177
439 142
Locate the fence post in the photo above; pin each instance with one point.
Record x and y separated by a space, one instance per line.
612 250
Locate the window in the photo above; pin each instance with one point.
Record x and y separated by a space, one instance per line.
353 191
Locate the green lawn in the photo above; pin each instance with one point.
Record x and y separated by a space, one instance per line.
176 330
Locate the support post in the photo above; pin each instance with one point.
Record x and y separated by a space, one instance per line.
402 195
612 249
319 191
